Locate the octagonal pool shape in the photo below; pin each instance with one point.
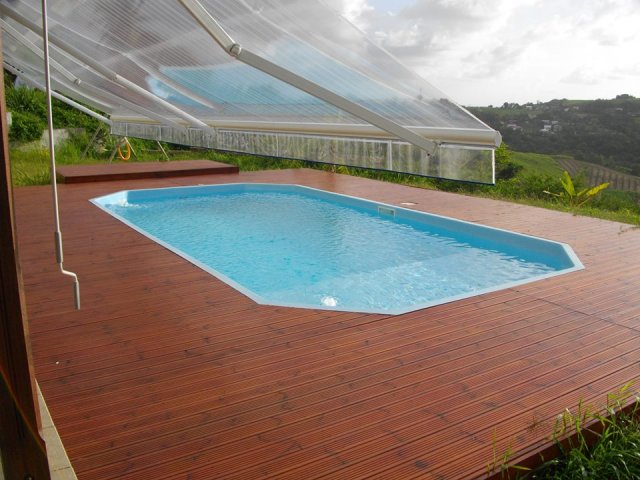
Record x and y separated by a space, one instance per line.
301 247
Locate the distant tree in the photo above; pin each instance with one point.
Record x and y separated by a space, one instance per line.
505 167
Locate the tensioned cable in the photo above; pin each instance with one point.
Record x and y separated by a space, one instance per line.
52 161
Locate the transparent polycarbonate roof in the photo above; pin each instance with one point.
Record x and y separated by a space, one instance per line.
247 75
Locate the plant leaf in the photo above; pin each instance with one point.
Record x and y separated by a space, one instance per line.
567 183
598 188
551 193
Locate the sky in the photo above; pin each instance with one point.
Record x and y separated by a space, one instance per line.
487 52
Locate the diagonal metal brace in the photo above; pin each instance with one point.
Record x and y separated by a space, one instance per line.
222 38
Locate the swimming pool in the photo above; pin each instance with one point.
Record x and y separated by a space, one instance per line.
302 247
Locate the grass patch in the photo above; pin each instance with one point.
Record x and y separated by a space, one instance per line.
593 442
615 453
536 164
30 162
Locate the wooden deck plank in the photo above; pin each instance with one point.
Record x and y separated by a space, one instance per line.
300 352
259 362
139 170
168 372
399 398
405 418
267 318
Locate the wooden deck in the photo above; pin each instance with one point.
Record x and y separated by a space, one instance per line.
168 373
139 170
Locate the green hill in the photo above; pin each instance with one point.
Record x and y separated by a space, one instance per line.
602 132
596 174
537 164
591 174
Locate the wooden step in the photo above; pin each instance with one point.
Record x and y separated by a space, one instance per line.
138 170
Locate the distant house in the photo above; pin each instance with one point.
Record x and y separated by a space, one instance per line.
550 126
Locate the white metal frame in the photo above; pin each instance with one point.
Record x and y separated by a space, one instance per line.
68 88
77 82
101 69
222 38
60 97
456 136
116 89
53 65
80 89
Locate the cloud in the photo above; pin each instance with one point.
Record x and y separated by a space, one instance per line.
630 69
358 12
605 37
582 76
425 28
526 49
489 63
355 9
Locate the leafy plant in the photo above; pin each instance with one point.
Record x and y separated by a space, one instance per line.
500 463
25 127
26 100
505 167
616 451
30 106
574 197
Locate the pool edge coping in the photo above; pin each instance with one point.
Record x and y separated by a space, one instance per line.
572 256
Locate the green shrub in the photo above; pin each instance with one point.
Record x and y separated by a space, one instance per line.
9 78
617 201
615 454
505 167
25 127
26 100
66 116
527 186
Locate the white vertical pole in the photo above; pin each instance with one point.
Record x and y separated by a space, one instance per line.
52 160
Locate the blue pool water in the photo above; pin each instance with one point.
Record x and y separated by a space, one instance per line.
297 246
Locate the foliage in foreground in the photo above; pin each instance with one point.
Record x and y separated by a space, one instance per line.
29 112
616 451
573 196
594 442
